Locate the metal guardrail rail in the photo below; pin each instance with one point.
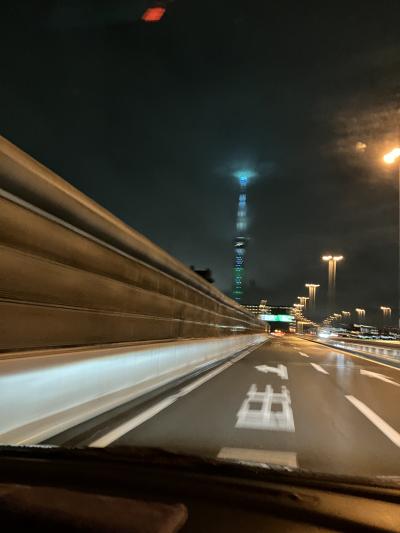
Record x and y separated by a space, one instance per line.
72 274
378 353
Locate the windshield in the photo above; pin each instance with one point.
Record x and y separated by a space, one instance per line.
199 229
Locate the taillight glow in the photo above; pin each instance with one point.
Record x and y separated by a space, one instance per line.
153 14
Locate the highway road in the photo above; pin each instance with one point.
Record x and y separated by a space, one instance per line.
290 402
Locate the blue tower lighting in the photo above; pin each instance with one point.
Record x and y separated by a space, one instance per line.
241 239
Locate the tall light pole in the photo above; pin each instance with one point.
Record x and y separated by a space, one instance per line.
346 315
390 158
303 300
360 313
312 289
386 312
332 260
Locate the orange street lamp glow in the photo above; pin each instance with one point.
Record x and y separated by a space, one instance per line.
391 157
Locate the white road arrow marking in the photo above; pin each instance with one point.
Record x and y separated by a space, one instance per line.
281 370
375 375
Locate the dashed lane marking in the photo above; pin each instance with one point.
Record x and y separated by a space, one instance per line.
145 415
272 457
319 368
304 354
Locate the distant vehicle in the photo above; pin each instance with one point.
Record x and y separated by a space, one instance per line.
388 337
278 333
324 334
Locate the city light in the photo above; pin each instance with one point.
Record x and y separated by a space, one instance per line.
303 300
386 311
153 14
312 290
332 260
244 175
391 157
360 313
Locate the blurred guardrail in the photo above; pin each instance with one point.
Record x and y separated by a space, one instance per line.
73 274
377 352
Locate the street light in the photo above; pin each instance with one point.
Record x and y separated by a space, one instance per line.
360 313
331 260
387 313
312 289
390 158
303 300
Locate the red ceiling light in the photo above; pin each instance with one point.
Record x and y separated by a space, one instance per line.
153 14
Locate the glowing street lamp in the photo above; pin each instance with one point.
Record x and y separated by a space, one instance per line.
312 290
303 300
387 313
392 157
360 313
332 260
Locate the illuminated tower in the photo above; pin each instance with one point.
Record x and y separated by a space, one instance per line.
240 242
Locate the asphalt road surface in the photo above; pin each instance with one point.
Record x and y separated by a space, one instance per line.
290 402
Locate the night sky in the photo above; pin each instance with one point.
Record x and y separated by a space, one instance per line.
152 120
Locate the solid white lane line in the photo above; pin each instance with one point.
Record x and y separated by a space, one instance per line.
239 357
139 419
189 388
272 457
319 368
134 422
304 354
383 426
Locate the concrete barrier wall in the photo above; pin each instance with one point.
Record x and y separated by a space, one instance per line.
72 274
42 394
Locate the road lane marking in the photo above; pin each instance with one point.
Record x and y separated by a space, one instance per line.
189 388
319 368
271 457
142 417
256 411
383 426
304 354
376 375
136 421
280 370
